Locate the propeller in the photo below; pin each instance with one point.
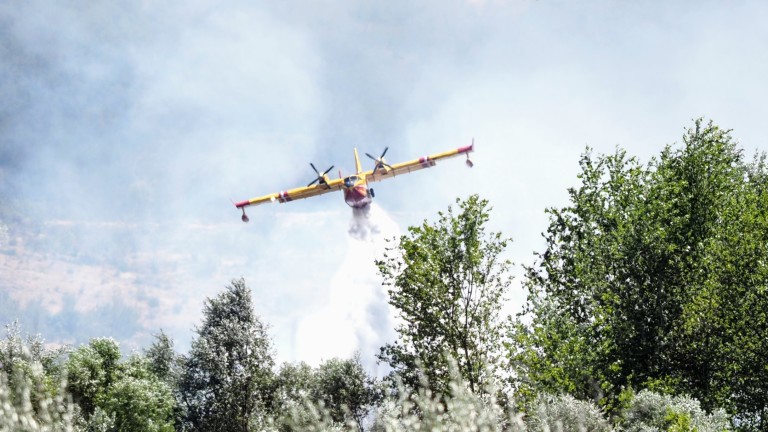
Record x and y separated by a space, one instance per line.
320 177
380 163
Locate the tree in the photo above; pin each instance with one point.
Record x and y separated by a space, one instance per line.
447 281
31 384
338 391
18 355
655 277
163 360
118 395
290 391
138 399
226 378
91 370
345 390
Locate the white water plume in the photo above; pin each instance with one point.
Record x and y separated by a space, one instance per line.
357 316
361 227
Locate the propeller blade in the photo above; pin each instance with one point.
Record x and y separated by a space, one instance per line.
320 177
380 161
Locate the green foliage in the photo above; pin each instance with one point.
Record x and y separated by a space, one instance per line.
564 412
29 406
290 393
166 365
91 370
18 355
114 395
227 377
338 392
32 397
458 410
656 412
345 390
163 360
447 281
654 276
292 383
138 399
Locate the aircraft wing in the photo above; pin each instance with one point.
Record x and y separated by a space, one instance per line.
294 194
414 165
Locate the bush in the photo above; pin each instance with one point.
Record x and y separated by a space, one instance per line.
650 411
28 406
423 410
565 413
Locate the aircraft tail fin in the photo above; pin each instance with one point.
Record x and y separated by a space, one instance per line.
358 166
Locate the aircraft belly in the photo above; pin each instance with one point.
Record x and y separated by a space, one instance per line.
357 196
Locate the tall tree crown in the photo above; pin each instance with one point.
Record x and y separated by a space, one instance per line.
447 281
648 276
229 368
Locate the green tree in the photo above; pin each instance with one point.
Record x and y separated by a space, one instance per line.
654 277
226 379
163 360
118 395
345 390
338 391
138 399
31 385
447 281
652 411
292 383
91 370
289 395
165 364
18 355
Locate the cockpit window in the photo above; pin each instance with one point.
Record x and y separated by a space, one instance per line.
350 181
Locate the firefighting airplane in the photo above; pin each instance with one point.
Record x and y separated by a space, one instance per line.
357 194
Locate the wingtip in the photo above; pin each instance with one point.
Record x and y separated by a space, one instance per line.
240 204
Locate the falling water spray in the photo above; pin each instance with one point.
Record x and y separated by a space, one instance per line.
362 227
357 316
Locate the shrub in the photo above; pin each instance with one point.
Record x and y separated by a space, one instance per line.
650 411
27 405
565 413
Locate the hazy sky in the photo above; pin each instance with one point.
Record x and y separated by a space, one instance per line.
127 127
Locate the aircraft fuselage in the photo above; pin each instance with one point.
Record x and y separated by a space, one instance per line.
356 192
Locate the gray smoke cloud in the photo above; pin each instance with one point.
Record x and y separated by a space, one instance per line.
125 128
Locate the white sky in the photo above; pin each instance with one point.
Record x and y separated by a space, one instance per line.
126 128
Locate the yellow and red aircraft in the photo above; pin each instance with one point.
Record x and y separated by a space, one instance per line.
357 194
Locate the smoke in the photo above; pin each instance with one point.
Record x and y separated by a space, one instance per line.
357 316
126 128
